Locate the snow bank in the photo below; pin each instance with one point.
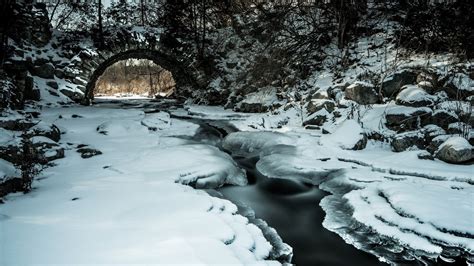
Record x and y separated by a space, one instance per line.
251 143
202 166
413 217
347 135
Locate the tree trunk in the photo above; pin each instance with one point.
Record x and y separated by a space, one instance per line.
203 25
142 10
101 30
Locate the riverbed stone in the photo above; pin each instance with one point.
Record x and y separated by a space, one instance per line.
362 93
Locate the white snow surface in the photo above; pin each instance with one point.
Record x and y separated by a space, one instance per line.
347 134
129 205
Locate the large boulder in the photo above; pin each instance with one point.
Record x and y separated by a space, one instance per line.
413 95
455 150
392 84
45 71
362 93
403 118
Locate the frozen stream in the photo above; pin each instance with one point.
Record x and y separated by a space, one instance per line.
137 196
291 207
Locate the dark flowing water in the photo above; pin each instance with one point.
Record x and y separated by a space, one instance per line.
292 208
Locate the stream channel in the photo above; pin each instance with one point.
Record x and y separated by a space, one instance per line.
290 207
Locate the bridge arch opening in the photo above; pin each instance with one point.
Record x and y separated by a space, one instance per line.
135 78
163 68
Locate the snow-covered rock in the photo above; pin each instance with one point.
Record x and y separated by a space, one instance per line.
392 84
458 128
403 118
319 104
349 135
319 94
157 121
316 119
258 102
413 95
420 217
407 140
362 93
455 150
50 131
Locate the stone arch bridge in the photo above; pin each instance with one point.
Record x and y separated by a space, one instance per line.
70 63
91 61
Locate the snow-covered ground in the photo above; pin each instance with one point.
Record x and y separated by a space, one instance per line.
129 205
132 204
